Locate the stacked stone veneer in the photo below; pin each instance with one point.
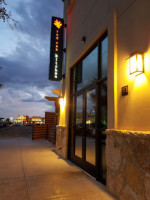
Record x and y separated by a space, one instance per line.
62 141
128 164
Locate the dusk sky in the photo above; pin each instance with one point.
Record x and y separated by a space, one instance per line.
24 57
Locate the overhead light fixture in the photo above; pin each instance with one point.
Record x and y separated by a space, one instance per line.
136 64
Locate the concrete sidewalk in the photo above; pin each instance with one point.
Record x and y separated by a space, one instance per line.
31 170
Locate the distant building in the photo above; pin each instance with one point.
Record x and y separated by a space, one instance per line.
37 120
23 119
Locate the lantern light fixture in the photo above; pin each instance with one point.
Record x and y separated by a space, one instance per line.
136 64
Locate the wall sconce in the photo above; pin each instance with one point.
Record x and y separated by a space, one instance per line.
136 64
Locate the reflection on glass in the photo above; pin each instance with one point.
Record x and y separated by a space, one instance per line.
104 105
90 126
87 70
103 147
104 56
79 120
73 74
79 110
72 113
103 126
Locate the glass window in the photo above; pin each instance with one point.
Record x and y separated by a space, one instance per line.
104 56
79 126
79 108
103 126
90 126
89 108
104 105
87 70
73 81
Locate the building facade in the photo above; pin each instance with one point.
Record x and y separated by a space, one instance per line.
104 122
37 120
22 119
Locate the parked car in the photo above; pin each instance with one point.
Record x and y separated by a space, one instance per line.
3 124
18 124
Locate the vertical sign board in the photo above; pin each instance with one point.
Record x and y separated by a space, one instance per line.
56 50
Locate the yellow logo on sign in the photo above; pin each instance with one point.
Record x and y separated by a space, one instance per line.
57 23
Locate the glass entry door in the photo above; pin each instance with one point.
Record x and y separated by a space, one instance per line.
86 133
89 130
90 126
88 112
79 126
84 130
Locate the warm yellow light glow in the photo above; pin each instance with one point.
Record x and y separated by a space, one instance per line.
136 64
147 63
57 23
22 117
140 82
88 122
62 104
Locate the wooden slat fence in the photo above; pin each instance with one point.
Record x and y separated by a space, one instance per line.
39 132
50 121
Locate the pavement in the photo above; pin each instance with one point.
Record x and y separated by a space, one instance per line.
31 170
16 131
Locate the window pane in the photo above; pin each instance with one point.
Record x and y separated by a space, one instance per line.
79 109
90 126
72 117
104 105
103 126
79 125
104 56
73 80
87 70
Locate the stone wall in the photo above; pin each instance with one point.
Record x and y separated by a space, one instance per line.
128 164
62 141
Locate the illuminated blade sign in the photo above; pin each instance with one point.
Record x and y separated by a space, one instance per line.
56 50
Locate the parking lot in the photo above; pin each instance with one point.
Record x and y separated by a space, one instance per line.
15 131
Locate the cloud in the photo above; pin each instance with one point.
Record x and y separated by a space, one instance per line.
25 61
26 66
36 15
26 102
34 100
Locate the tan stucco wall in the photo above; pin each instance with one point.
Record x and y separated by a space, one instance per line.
81 22
131 33
134 35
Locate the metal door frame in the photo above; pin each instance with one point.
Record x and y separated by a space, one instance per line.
97 170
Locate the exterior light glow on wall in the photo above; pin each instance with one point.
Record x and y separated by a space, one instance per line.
136 64
62 103
62 119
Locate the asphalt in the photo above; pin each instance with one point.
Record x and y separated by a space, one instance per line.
31 170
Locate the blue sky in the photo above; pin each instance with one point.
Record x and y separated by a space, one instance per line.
24 57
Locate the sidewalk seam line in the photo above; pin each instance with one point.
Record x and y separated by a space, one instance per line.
23 170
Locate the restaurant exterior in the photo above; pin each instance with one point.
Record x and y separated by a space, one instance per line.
21 119
104 120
